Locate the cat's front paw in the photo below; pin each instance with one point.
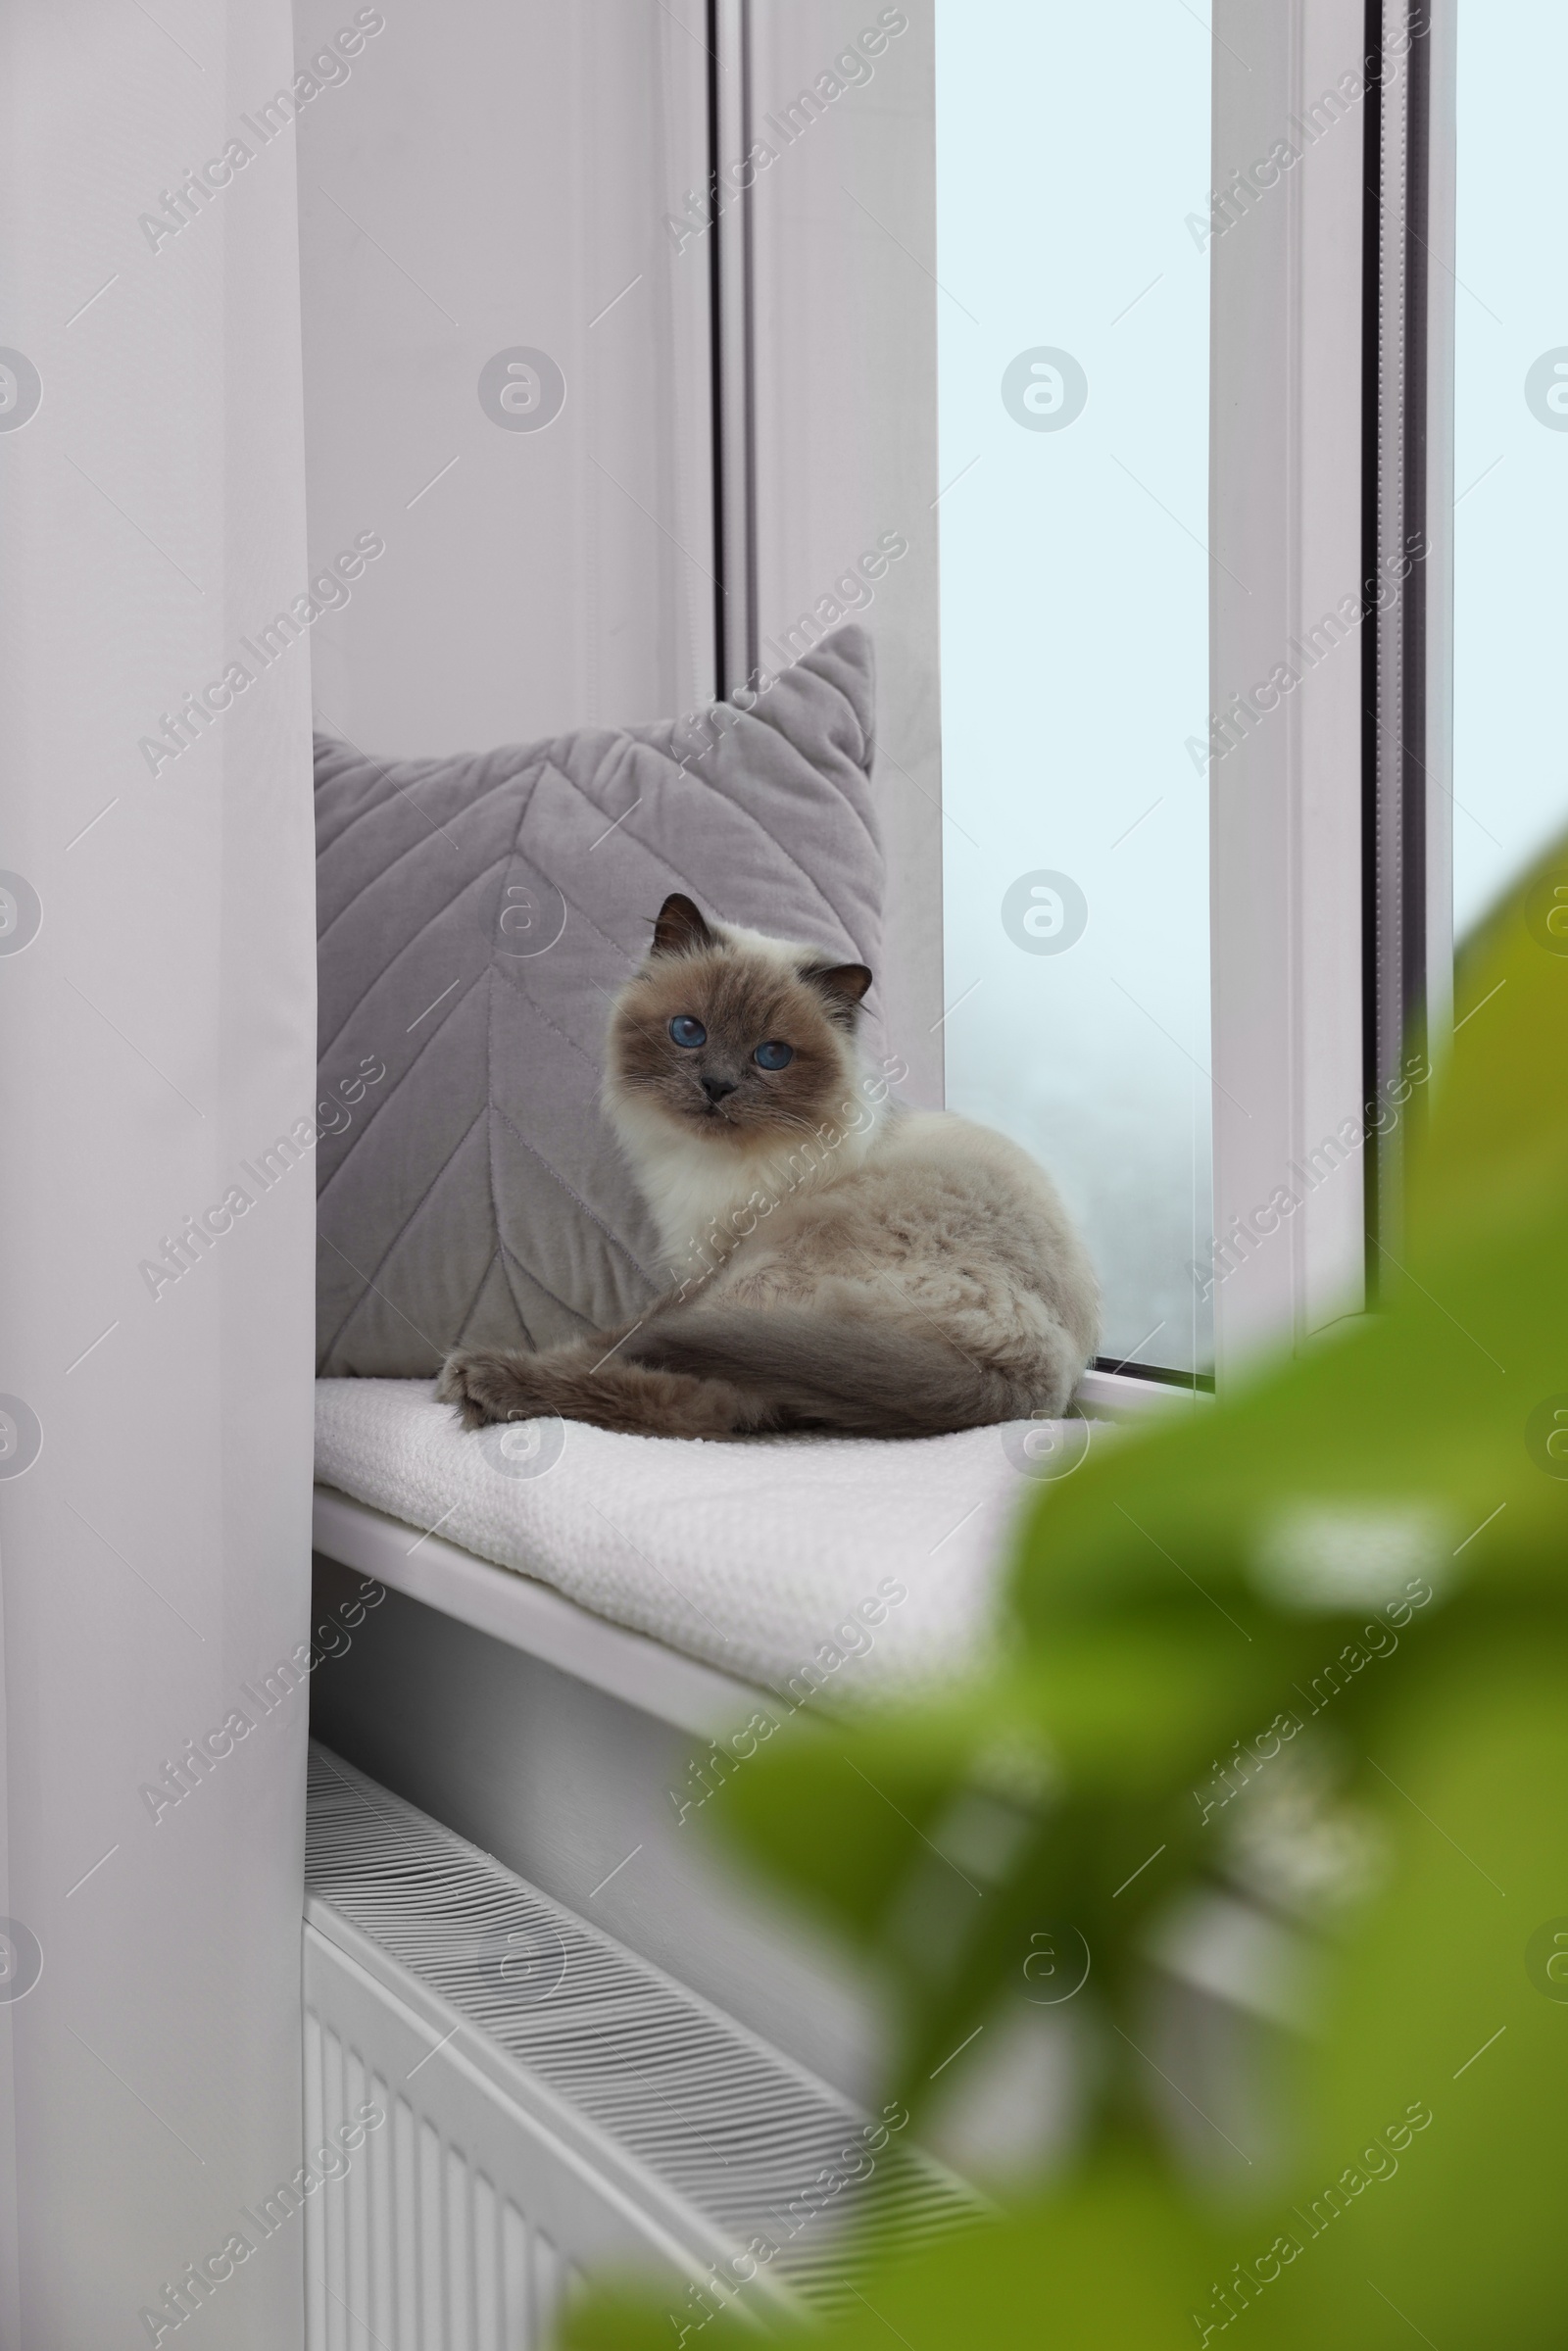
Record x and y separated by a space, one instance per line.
486 1384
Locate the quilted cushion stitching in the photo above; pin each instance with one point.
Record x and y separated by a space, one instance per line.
741 809
490 1144
474 880
468 1311
369 1279
524 996
398 1084
728 801
592 1214
587 797
583 914
416 847
864 764
375 803
507 1254
506 1268
361 1000
660 857
375 807
810 880
575 1312
368 1291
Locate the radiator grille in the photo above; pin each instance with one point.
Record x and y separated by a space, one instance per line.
718 2121
420 2247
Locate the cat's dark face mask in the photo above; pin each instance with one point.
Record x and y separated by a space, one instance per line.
731 1043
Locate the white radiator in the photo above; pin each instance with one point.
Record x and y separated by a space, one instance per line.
508 2098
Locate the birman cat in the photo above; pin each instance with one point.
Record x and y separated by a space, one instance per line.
835 1262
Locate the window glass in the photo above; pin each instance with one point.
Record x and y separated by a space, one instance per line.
1073 388
1510 772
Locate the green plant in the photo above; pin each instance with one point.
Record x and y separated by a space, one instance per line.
1176 1602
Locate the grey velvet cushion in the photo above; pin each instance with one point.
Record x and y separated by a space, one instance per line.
477 915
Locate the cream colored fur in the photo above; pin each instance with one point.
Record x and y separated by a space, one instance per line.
849 1264
919 1219
924 1222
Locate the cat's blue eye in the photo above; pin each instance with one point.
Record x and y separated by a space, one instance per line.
688 1032
774 1055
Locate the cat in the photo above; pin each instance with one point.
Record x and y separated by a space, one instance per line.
835 1260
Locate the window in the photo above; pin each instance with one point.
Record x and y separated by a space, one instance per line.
1073 325
1510 792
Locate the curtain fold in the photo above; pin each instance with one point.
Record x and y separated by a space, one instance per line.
157 1028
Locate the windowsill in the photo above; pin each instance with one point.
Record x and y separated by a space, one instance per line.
1125 1396
529 1615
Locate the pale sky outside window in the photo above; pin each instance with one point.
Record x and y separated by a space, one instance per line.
1073 353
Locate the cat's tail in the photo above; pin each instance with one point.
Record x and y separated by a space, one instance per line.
827 1371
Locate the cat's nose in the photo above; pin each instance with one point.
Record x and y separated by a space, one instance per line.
715 1089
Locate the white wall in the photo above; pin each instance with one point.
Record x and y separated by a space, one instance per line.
463 196
155 1031
482 182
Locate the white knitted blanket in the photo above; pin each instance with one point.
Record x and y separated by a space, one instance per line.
839 1562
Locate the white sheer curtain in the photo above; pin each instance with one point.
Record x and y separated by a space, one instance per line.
156 1001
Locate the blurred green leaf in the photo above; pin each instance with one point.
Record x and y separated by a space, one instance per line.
1358 1559
1112 2260
1439 2003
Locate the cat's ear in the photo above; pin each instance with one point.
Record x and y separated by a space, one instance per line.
842 984
679 929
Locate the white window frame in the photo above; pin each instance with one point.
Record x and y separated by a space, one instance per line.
1315 970
1307 930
